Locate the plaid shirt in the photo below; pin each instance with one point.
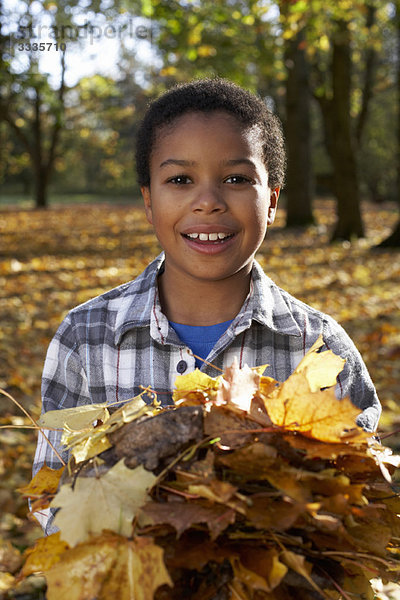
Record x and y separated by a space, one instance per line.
109 347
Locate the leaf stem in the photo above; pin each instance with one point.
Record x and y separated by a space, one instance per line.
36 426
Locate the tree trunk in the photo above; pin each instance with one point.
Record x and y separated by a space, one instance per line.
39 169
43 165
298 136
340 144
393 241
41 181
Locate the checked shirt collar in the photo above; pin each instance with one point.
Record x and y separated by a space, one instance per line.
140 306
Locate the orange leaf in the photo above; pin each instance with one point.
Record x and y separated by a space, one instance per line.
45 482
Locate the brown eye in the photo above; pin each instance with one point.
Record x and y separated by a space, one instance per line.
179 180
237 179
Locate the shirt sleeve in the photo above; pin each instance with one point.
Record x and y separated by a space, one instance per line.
64 385
354 380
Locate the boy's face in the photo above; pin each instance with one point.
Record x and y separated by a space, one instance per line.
209 199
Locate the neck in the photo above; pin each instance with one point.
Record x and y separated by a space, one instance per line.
202 302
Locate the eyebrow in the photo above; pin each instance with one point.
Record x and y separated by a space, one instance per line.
177 161
190 163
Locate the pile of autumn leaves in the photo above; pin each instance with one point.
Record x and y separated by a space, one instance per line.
280 495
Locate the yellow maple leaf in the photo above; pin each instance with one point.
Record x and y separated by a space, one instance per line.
109 566
320 368
76 418
299 404
97 503
196 381
45 553
319 415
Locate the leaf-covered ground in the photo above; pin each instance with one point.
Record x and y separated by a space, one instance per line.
56 259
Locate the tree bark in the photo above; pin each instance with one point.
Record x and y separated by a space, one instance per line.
298 136
367 91
42 164
393 241
340 143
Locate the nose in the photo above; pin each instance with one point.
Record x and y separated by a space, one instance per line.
209 198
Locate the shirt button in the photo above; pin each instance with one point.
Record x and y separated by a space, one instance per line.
181 366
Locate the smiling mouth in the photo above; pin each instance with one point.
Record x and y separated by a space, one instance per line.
215 238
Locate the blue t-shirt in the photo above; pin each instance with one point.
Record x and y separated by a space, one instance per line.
201 339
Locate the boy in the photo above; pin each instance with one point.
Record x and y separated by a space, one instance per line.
210 163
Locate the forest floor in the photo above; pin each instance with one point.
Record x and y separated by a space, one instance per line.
53 260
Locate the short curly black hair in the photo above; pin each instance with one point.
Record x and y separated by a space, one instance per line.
207 95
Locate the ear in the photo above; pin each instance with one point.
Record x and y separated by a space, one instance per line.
273 204
147 203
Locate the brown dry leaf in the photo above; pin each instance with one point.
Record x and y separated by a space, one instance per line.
107 502
249 578
263 563
298 563
195 551
267 513
250 462
300 484
45 482
215 490
356 583
45 553
330 451
182 515
370 536
258 563
229 426
108 566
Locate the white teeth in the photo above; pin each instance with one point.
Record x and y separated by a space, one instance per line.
208 237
